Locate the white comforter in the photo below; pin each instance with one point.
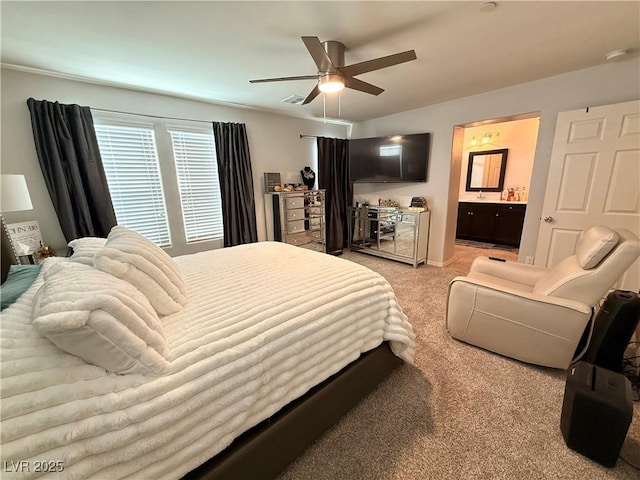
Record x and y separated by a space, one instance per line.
264 323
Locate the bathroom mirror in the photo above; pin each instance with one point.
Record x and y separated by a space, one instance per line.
486 170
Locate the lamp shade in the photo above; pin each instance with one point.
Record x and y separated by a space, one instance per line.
14 194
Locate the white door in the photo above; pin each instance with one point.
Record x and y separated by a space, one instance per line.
594 179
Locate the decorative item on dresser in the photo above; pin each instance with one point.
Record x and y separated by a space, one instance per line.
308 177
389 232
297 218
271 181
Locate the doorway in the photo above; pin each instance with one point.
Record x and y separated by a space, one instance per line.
491 215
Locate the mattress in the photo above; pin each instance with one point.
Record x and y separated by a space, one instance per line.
264 323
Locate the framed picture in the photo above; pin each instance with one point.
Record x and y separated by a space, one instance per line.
270 181
25 236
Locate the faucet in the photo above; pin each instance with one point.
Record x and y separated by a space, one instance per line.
480 196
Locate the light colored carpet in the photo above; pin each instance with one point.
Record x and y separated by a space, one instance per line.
459 413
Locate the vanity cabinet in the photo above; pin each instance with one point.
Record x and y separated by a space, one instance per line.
509 223
297 218
491 222
476 221
400 235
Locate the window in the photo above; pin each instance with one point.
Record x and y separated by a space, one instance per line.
197 172
161 174
133 174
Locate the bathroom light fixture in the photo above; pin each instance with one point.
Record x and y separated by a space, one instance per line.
330 83
484 139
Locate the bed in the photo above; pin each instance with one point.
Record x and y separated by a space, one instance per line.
272 346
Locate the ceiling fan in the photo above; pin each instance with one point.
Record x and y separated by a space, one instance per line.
333 75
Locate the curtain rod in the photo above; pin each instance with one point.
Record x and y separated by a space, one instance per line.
320 136
151 116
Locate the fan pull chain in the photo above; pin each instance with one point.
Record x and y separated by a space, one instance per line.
324 107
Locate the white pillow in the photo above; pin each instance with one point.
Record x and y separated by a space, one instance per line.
132 257
100 318
85 249
595 244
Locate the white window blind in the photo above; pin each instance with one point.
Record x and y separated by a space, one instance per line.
197 172
133 174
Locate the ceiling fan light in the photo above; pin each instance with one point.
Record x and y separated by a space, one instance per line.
331 83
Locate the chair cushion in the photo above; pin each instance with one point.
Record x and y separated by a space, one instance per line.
498 283
595 244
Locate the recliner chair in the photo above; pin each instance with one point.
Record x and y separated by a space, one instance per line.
533 314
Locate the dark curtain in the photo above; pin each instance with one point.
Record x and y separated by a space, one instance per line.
70 160
333 176
236 183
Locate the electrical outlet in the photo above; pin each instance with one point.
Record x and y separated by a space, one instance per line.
528 260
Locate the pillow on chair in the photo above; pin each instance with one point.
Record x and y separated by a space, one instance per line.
570 277
595 244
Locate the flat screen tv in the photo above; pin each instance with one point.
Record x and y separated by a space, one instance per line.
395 158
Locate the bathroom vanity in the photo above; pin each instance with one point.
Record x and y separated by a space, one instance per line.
491 221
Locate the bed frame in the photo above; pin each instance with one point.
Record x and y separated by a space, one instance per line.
265 450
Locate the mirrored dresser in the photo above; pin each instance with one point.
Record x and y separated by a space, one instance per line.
297 218
393 233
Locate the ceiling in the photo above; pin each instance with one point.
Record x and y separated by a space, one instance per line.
210 50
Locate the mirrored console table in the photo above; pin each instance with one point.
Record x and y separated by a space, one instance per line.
392 233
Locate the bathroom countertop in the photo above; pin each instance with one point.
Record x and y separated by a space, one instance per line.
488 200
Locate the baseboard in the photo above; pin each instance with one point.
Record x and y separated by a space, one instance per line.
441 264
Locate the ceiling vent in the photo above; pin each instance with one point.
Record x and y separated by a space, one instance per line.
295 99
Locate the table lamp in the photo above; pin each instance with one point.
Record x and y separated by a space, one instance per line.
14 197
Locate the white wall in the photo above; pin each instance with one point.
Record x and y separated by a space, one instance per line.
274 140
519 136
605 84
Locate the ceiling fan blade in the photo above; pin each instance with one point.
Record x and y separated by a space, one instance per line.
378 63
314 93
284 79
319 55
356 84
